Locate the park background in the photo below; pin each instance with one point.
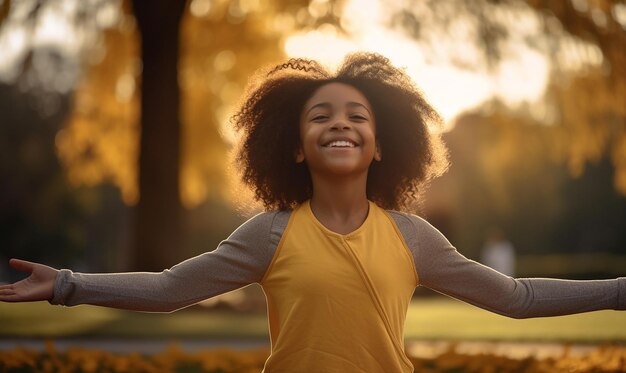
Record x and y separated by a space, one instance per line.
115 141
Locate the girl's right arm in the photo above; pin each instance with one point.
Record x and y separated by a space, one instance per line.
238 261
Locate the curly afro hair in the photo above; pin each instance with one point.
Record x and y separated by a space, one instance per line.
268 119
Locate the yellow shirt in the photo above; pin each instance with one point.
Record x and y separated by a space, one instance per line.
337 303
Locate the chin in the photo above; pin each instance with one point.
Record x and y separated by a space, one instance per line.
347 170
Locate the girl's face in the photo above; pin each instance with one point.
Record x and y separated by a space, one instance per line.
337 132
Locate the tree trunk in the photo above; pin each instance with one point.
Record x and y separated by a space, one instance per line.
158 232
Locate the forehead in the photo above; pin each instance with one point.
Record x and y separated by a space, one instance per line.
337 94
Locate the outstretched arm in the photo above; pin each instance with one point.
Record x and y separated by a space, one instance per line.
238 261
442 268
36 287
453 274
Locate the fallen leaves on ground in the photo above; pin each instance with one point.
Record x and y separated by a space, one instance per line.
603 359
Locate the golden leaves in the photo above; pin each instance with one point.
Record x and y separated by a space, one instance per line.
222 44
100 140
601 359
605 358
591 122
172 359
221 48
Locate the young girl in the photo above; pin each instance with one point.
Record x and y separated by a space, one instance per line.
331 157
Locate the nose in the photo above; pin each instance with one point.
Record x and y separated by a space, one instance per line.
341 123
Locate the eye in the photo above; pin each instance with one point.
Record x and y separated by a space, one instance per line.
319 118
358 117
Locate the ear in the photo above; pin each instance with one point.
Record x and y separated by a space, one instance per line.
299 155
378 154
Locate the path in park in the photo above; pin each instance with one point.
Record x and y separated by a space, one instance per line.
425 349
125 345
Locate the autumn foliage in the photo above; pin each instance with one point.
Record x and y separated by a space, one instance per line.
607 358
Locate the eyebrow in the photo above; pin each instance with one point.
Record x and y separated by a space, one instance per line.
328 105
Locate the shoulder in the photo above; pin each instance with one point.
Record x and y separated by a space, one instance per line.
410 223
250 248
265 227
432 252
417 231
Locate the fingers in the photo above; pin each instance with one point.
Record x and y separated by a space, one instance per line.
7 293
6 289
22 265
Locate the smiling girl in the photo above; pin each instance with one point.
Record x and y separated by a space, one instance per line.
334 158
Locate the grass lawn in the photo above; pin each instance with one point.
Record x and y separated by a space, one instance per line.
427 319
449 319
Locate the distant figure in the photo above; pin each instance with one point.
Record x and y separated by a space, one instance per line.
498 253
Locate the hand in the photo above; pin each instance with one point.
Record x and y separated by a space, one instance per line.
36 287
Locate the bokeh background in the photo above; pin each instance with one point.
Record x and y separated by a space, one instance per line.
115 139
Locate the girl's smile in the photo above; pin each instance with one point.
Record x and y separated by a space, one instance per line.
337 131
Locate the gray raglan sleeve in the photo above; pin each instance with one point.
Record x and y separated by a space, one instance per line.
442 268
239 260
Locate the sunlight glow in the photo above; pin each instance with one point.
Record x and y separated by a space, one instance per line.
200 8
619 13
54 28
13 46
521 77
328 49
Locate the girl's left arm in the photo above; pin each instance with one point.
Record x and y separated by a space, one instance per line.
239 260
442 268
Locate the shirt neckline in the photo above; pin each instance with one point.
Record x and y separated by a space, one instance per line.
309 211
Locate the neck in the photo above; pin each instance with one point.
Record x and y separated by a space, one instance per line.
340 200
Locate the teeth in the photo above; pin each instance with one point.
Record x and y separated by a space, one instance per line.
341 144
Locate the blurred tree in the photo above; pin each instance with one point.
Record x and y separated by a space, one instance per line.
42 217
37 219
126 106
493 184
159 208
584 39
504 174
158 156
